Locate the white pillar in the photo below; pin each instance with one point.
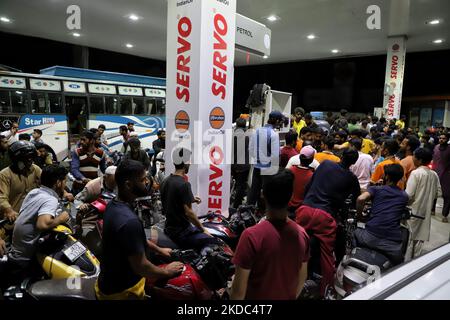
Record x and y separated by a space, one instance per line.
200 73
395 68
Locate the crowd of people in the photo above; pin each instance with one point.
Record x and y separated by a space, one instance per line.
363 159
301 187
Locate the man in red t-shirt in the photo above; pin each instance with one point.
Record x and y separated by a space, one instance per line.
288 151
271 257
302 176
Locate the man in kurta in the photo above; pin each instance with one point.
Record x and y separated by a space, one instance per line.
423 188
442 166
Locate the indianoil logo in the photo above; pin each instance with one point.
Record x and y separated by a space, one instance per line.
182 121
217 118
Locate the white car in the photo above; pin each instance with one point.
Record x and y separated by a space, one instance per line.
425 278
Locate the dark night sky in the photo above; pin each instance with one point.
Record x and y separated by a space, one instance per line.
355 83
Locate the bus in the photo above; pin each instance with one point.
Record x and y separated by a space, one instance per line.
64 101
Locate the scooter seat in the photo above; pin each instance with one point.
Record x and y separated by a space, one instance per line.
59 289
371 257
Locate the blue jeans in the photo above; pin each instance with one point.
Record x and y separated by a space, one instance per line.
194 238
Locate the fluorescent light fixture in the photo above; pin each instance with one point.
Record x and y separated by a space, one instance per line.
335 51
5 19
311 37
76 34
434 22
133 17
266 57
272 18
438 41
129 45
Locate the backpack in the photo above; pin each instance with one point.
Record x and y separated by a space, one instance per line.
257 96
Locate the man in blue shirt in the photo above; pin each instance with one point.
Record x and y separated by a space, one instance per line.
265 152
383 232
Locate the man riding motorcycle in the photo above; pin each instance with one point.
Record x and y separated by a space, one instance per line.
382 231
95 188
40 212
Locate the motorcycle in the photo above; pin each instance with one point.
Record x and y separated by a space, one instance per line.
362 266
90 223
205 276
230 230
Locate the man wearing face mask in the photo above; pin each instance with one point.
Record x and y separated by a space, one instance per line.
17 180
124 266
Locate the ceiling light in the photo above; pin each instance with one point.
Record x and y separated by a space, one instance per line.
133 17
76 34
434 22
266 57
335 51
5 19
311 37
438 41
129 45
272 18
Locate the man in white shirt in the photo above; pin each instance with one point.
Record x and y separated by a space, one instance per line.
11 134
295 160
362 169
423 188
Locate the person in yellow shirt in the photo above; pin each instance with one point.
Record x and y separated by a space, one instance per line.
368 146
327 154
297 120
389 149
401 123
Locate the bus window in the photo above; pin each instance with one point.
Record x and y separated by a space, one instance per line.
138 106
76 108
4 101
112 105
96 103
125 106
150 107
55 103
19 101
38 104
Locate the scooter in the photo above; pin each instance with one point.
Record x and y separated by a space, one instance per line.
54 289
62 256
362 266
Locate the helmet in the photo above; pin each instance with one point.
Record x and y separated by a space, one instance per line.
22 150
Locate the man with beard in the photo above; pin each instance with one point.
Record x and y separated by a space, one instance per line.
158 146
40 212
441 160
87 160
124 266
5 161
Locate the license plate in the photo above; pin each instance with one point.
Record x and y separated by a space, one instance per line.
74 251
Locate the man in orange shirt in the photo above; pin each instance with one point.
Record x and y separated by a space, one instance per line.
327 154
306 134
408 146
389 149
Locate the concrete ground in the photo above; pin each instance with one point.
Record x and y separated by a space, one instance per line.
440 232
